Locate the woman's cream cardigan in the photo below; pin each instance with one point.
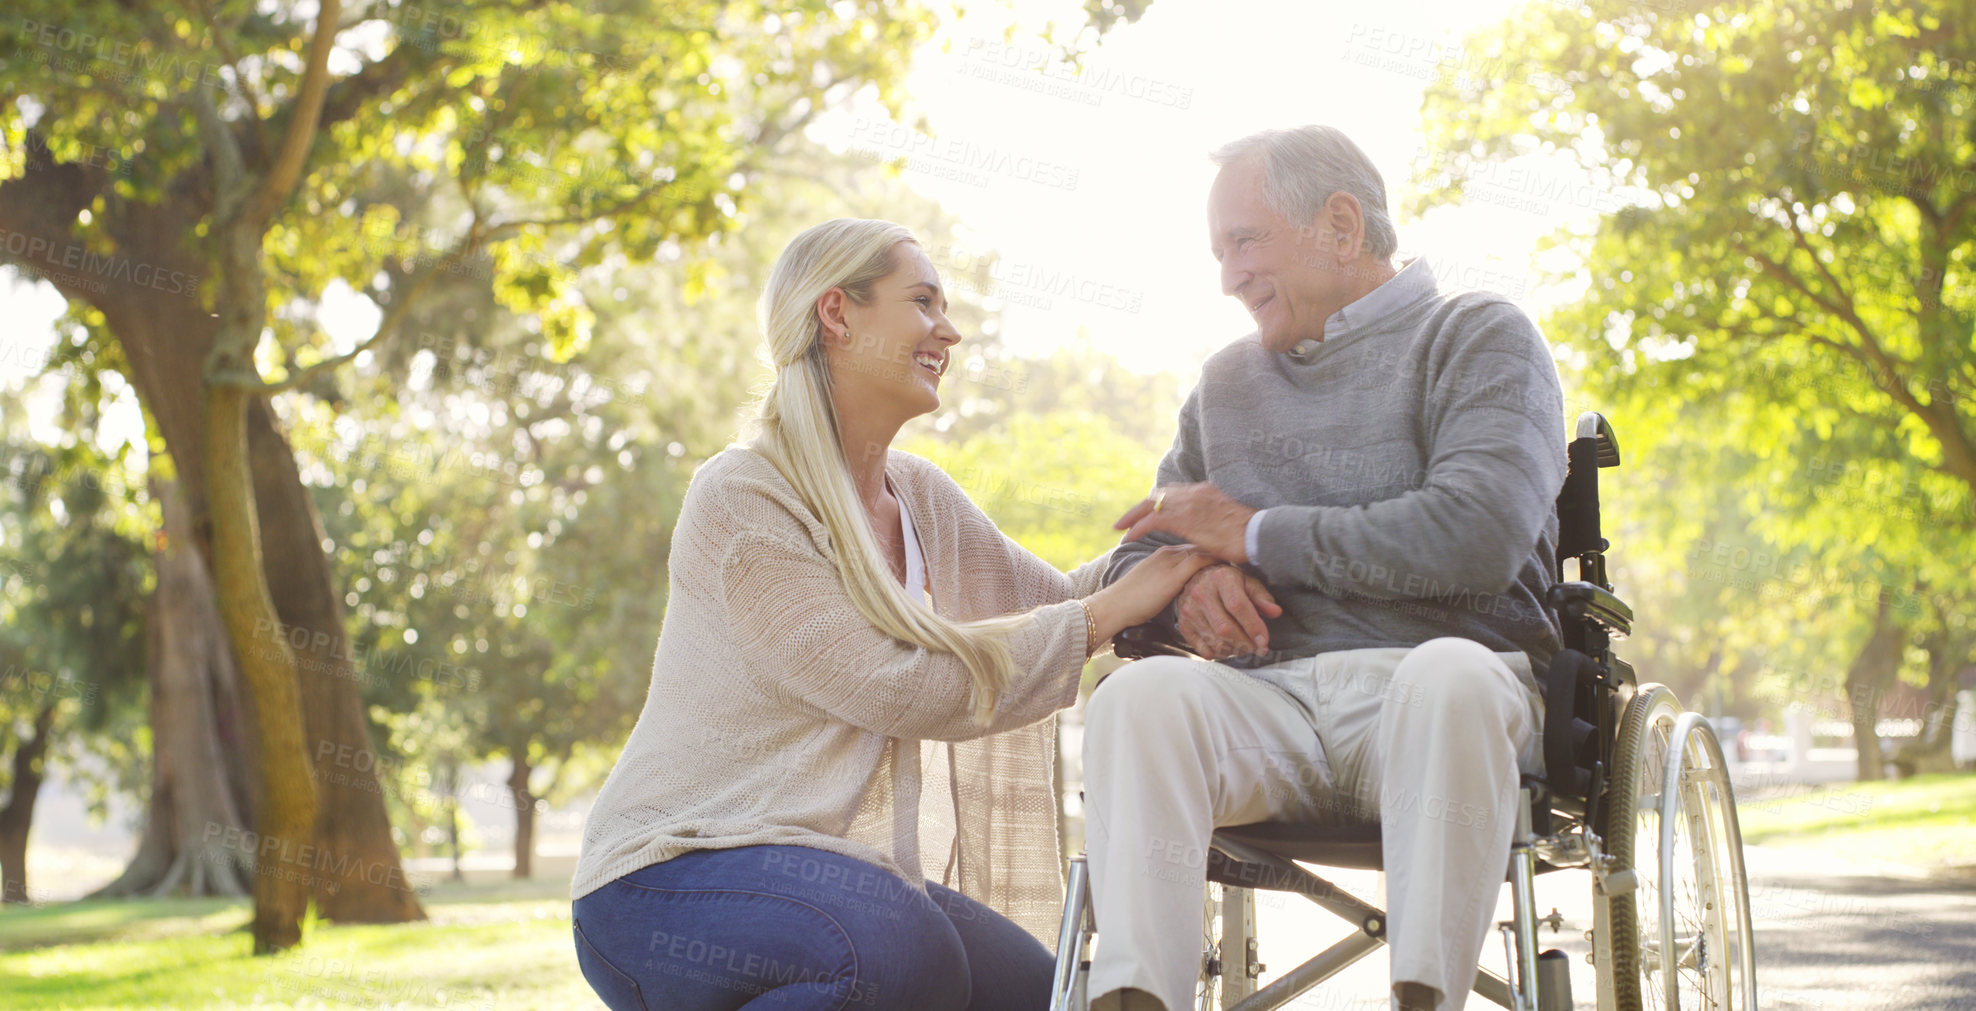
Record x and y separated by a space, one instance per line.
778 715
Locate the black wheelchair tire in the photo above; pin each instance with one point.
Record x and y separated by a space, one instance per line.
1630 764
1709 875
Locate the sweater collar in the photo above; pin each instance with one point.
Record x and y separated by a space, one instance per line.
1414 282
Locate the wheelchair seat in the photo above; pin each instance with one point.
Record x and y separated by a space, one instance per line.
1353 846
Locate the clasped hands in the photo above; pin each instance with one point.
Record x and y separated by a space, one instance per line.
1220 610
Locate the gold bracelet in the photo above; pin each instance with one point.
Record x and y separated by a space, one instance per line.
1090 630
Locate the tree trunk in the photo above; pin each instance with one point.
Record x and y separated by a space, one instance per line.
243 204
202 756
364 880
18 816
524 813
453 816
1867 680
283 871
1931 751
165 339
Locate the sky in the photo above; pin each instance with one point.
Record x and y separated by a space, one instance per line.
1089 184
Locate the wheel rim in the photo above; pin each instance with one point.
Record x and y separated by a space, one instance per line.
1681 938
1684 945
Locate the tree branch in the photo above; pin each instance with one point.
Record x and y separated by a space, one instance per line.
228 168
233 63
280 181
1798 239
507 228
394 317
349 94
1939 417
1869 346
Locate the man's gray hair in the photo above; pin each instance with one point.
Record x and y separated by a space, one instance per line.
1303 166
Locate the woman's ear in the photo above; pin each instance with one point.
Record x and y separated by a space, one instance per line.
830 309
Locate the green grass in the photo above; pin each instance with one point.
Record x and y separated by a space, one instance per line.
1927 822
501 946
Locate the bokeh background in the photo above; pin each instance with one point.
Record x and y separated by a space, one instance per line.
456 296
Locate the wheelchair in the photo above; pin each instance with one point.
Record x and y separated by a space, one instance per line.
1636 792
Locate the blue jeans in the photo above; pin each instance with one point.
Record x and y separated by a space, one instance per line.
789 928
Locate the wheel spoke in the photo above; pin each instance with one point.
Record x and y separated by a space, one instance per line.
1704 959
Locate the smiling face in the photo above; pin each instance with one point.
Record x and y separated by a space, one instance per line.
1277 269
897 350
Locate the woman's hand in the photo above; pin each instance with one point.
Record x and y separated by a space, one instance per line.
1147 589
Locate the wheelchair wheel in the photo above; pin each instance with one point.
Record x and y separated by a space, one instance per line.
1681 937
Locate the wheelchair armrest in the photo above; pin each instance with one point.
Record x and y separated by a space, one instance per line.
1149 639
1582 601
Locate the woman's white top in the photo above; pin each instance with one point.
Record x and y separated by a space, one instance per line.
915 561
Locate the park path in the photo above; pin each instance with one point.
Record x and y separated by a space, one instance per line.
1838 934
1833 934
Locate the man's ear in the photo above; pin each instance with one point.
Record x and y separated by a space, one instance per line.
1346 222
830 309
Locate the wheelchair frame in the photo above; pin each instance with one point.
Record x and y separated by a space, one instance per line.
1608 760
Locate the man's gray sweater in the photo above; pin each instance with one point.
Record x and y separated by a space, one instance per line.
1409 473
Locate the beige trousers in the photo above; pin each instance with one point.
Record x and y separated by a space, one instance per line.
1428 741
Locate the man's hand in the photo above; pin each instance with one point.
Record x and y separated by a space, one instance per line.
1196 513
1218 613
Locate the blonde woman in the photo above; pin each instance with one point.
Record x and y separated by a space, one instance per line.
838 794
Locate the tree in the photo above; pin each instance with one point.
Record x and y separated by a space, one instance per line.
1950 649
1780 283
241 200
1809 198
71 643
199 799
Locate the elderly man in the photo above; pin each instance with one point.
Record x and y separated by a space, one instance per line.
1377 465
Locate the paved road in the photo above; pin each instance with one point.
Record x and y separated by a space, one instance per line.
1831 936
1852 936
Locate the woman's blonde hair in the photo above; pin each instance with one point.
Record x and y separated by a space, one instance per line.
796 428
